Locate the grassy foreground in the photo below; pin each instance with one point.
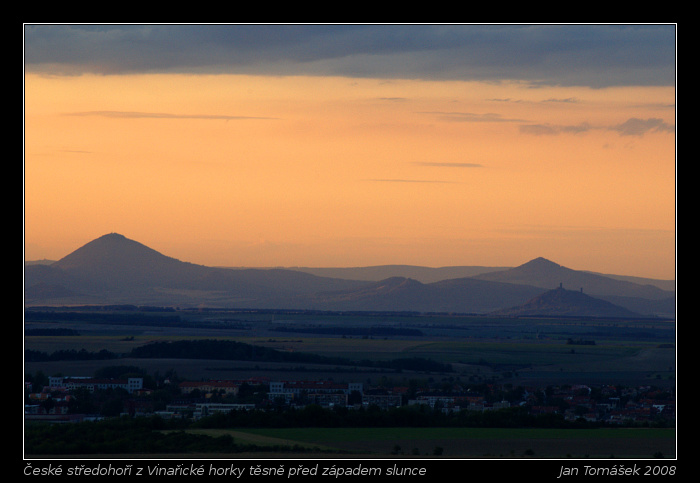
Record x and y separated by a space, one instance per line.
469 442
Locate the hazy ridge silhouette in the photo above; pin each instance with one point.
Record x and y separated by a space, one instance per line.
113 269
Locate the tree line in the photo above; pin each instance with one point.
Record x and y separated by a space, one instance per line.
232 350
128 435
131 436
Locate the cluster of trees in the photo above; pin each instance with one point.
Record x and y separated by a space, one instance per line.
419 416
68 355
108 402
110 316
123 435
51 331
571 341
116 401
153 434
352 331
235 351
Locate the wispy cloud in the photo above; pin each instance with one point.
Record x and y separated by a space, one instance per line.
448 165
639 127
551 130
472 117
567 100
631 127
161 115
398 180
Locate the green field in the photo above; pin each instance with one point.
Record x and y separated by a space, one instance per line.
523 360
533 352
468 442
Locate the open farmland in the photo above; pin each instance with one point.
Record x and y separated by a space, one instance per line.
477 348
478 442
533 353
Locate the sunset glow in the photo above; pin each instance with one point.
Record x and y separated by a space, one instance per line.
308 169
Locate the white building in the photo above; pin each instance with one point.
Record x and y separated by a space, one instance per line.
289 390
131 384
205 409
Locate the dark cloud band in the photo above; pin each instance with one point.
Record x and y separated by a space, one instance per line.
593 55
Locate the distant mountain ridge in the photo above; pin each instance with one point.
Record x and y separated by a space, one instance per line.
114 269
127 261
461 295
643 299
541 272
382 272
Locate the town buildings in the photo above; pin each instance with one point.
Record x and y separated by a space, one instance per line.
198 399
131 385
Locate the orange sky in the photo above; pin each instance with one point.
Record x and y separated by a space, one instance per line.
255 170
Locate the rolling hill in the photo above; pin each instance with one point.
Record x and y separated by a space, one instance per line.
560 302
540 272
543 273
462 295
383 272
113 269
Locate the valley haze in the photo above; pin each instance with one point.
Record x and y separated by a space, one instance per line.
114 269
